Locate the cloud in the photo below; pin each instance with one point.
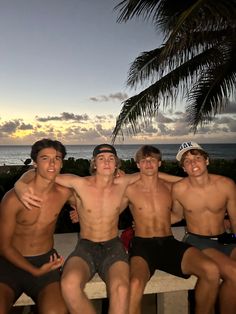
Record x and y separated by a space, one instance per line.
24 127
84 129
101 119
104 98
10 126
65 116
104 119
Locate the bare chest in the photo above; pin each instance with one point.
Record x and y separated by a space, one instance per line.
154 202
41 217
102 199
204 201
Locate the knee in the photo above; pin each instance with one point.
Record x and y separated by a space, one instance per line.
71 283
67 283
211 272
121 288
136 285
230 274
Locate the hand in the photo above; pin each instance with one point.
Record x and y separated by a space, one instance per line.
74 216
29 199
55 262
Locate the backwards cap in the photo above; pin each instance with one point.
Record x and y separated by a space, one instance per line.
186 146
104 148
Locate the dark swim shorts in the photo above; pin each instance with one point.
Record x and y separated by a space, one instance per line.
100 255
219 242
164 253
21 281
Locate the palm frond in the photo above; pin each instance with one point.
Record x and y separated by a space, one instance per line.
197 59
130 8
202 15
165 91
207 97
144 67
142 106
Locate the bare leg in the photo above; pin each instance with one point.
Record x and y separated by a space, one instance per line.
6 298
75 275
139 276
118 288
227 267
50 300
197 263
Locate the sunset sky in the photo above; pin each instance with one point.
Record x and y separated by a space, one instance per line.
63 71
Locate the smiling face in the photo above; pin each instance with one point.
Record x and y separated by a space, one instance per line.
48 163
195 164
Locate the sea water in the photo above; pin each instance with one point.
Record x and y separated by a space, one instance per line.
17 154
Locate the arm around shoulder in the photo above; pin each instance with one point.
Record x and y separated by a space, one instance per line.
177 211
24 192
69 180
23 181
169 177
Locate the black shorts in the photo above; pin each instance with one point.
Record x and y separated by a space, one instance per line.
215 242
100 255
164 253
21 281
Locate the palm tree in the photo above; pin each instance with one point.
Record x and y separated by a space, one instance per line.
197 60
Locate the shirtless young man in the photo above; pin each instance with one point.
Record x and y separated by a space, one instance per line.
204 199
154 246
28 262
100 202
99 248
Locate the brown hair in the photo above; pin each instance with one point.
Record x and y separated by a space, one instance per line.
147 151
193 152
47 143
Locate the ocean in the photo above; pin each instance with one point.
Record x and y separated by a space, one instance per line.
16 155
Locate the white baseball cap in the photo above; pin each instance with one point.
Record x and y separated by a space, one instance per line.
186 146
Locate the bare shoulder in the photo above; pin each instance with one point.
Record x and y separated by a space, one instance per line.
133 188
10 200
222 181
127 179
9 196
166 184
182 184
87 179
63 190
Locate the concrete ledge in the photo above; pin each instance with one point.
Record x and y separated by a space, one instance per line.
160 282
